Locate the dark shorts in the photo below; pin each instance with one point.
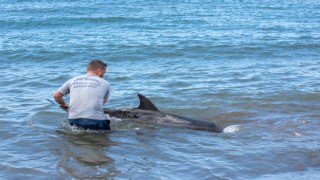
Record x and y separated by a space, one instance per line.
90 123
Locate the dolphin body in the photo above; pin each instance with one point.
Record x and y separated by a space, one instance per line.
148 114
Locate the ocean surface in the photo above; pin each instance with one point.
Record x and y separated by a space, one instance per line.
252 67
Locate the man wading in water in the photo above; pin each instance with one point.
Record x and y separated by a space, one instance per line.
88 93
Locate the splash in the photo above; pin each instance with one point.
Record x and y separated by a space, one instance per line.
232 129
75 129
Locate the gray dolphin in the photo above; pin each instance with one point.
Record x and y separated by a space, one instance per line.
148 114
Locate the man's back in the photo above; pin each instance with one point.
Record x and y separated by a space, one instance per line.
86 96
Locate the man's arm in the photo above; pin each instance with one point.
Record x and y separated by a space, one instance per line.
105 99
58 97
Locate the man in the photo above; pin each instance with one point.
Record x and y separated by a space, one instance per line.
88 93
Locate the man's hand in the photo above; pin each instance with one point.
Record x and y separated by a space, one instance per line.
65 107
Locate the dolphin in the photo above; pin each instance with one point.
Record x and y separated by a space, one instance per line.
148 114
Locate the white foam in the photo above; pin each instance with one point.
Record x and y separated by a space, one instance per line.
116 124
112 118
76 129
231 129
297 134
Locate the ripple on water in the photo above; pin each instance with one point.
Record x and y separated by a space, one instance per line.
4 111
47 120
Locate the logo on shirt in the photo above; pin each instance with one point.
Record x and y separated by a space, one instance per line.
85 82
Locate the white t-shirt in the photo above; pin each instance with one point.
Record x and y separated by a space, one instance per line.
86 96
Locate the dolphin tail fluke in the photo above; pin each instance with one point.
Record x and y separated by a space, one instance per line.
146 104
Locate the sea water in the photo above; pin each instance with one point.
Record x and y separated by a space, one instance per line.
249 66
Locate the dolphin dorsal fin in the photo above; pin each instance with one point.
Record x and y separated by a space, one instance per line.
146 104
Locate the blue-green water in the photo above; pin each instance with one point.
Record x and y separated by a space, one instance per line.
250 66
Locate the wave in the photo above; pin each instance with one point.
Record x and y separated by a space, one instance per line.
56 22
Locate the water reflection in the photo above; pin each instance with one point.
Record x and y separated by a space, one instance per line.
84 155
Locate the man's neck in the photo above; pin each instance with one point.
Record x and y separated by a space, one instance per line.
91 73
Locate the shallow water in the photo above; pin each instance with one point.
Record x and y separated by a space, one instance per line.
249 66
